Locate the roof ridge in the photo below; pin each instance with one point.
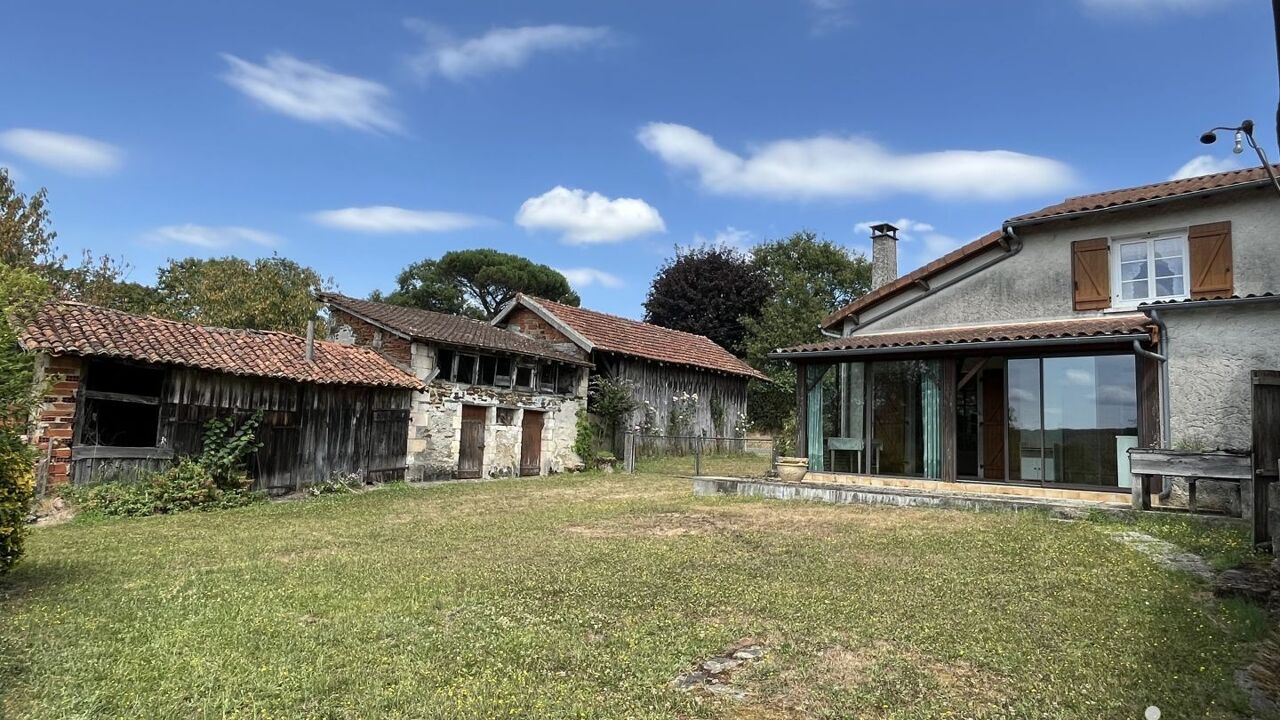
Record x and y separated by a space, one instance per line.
1166 183
411 308
185 323
627 319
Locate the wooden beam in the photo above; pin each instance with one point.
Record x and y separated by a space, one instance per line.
103 452
972 373
802 410
1210 466
122 397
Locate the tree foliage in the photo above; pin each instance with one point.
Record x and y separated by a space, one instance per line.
810 277
477 283
272 293
21 291
27 241
708 290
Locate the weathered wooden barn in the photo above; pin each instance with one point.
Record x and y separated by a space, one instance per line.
495 403
126 393
662 363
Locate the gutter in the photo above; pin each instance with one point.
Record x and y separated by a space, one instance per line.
1216 302
956 347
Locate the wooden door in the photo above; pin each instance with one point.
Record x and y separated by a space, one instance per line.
531 443
1266 449
471 452
993 409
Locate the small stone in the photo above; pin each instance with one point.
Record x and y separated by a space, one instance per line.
727 691
689 680
1249 582
754 652
717 665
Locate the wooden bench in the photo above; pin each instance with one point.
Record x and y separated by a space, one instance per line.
1237 468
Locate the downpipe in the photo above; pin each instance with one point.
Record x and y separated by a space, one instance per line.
1166 415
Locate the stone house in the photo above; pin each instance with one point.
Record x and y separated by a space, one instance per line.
662 363
1034 357
125 394
494 403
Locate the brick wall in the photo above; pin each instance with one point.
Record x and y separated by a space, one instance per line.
527 322
390 345
55 418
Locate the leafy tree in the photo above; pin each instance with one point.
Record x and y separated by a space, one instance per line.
477 283
27 242
21 291
810 278
272 293
708 290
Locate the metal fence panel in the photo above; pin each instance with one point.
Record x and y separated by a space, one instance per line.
698 456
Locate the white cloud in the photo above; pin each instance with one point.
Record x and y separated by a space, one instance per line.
71 154
828 15
384 219
498 49
212 236
1204 165
729 237
1149 8
313 93
585 277
588 218
852 167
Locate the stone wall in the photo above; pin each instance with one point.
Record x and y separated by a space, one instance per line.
54 425
436 424
350 329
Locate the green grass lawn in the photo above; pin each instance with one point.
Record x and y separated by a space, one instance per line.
584 596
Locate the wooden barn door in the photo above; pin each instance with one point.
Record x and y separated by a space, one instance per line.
531 443
471 453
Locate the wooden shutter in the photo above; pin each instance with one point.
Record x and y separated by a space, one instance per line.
1090 274
1210 250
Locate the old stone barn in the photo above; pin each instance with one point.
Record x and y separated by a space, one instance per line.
662 364
126 394
494 402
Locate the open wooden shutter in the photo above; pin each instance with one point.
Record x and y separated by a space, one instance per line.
1090 274
1210 249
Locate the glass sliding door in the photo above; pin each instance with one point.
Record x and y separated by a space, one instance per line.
1070 418
1090 411
1026 441
897 428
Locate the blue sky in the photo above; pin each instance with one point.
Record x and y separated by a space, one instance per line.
359 137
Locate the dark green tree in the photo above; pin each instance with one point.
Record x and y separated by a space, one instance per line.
708 290
810 277
272 293
477 283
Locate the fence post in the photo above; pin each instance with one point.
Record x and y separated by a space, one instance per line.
773 455
697 453
629 452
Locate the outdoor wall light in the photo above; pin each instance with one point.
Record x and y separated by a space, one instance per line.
1243 132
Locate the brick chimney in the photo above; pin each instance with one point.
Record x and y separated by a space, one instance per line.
884 254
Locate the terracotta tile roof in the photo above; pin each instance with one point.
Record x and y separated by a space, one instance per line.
426 325
1157 191
611 333
69 328
906 281
1135 324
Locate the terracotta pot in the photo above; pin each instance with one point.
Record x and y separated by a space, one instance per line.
792 469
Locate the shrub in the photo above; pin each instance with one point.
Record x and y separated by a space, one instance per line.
338 483
17 482
584 443
188 485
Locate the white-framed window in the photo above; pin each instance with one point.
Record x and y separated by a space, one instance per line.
1151 267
